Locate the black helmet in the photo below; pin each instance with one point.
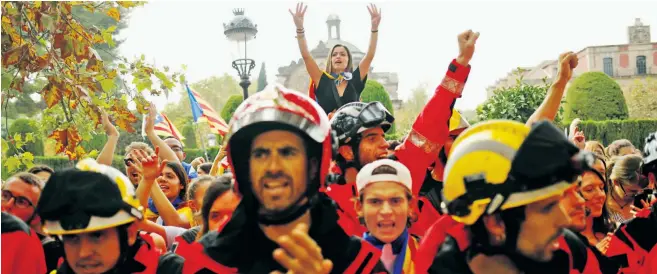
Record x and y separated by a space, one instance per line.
356 117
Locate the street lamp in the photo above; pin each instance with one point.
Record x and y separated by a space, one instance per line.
241 29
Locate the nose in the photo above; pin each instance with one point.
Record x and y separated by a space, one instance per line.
87 248
386 208
274 164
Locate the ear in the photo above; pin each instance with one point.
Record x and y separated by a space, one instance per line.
495 226
192 205
346 152
132 232
358 206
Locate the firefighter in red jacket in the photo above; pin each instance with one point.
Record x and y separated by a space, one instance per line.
503 184
633 244
279 146
92 209
21 248
361 127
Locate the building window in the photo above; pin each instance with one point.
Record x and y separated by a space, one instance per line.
608 66
641 65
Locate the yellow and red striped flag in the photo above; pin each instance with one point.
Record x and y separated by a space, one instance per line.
202 110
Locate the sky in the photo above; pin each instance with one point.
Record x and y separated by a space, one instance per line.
417 39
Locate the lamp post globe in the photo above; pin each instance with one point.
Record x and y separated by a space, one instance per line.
241 30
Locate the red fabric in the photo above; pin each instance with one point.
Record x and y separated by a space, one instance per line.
196 260
432 128
635 258
428 215
148 255
433 238
592 265
343 195
22 253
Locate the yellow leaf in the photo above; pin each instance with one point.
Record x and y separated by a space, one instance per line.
5 20
127 4
12 163
114 13
27 159
29 137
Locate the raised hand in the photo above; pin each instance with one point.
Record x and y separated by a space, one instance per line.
567 63
150 118
110 129
148 165
300 254
376 16
298 15
198 161
467 41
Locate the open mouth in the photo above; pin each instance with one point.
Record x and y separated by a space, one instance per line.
386 225
134 175
164 188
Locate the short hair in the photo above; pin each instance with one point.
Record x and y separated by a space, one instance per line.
392 145
139 145
193 186
384 169
39 168
614 148
28 178
206 167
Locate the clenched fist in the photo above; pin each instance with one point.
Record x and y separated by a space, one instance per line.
467 42
567 63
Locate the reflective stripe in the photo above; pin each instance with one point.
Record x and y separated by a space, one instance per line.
479 145
422 142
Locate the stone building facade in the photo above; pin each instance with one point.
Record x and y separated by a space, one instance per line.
624 63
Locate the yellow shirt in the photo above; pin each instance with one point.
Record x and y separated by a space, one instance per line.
184 211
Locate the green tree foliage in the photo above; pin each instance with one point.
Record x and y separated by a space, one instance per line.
189 134
516 103
405 116
99 20
595 96
26 138
642 98
45 44
635 130
234 101
374 91
262 78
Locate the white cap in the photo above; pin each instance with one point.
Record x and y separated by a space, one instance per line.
365 176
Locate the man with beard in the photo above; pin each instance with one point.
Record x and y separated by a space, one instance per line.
279 149
361 127
503 185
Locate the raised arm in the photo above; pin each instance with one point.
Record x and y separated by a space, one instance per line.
550 105
166 153
374 37
107 154
311 66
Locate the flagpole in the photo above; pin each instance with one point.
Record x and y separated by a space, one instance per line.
205 152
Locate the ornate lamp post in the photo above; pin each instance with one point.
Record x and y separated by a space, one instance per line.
241 29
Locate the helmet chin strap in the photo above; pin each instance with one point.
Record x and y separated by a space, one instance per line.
286 216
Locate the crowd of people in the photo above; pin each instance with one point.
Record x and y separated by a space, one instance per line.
307 183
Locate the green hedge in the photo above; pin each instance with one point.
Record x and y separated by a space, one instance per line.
608 131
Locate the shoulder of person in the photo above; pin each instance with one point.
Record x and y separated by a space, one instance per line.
11 223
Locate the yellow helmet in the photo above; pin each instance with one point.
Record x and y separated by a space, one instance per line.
87 198
476 177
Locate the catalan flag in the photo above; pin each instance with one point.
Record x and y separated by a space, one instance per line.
202 110
163 127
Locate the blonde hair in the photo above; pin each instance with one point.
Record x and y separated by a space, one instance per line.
626 169
593 145
329 63
614 148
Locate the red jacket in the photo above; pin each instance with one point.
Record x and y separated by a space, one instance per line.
21 248
633 244
418 151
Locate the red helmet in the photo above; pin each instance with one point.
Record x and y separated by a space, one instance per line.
277 107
